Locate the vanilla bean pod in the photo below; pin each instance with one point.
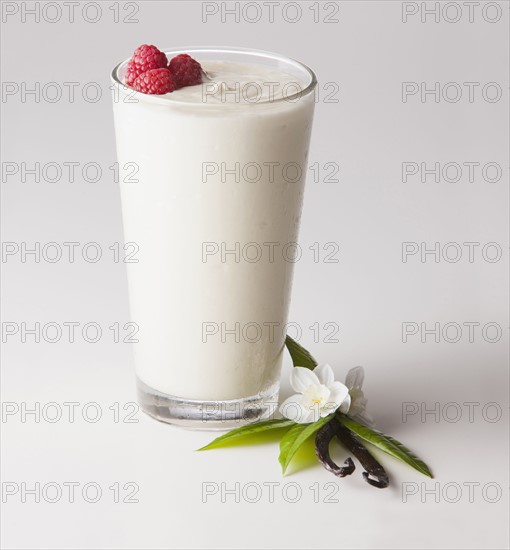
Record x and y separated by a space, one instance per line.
369 463
322 441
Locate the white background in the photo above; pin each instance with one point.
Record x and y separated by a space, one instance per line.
369 293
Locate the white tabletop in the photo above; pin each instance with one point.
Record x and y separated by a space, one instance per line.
156 492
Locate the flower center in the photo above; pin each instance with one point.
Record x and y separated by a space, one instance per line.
316 395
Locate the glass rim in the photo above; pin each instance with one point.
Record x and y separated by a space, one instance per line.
230 50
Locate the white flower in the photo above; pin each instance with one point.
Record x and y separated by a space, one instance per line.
357 409
318 395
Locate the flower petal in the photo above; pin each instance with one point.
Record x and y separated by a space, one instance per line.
359 402
329 408
296 410
346 405
355 378
309 416
301 378
325 374
339 393
292 407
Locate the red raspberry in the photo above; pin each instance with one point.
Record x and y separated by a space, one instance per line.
144 59
186 70
155 81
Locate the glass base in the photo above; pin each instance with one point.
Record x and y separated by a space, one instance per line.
207 415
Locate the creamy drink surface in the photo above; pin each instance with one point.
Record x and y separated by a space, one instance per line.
214 212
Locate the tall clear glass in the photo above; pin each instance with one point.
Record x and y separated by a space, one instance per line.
212 190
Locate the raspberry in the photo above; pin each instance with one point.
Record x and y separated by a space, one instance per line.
144 59
155 81
186 70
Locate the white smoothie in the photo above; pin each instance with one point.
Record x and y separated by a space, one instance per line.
216 208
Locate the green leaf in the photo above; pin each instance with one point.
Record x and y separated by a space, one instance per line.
250 429
295 437
386 444
301 357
